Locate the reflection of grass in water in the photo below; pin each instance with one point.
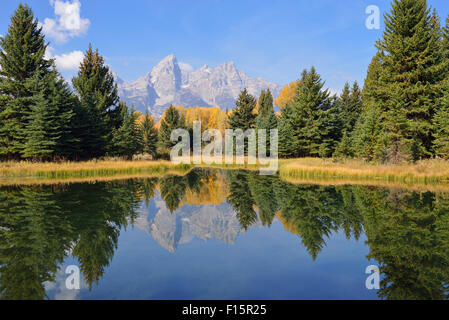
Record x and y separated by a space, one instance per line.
424 174
70 180
420 187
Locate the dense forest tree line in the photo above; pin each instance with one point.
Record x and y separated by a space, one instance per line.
41 118
401 113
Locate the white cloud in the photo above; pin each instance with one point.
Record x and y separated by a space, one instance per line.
69 61
68 22
185 67
65 61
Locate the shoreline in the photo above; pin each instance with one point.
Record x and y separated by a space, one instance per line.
426 172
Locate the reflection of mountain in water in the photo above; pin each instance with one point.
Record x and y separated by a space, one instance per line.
407 231
204 222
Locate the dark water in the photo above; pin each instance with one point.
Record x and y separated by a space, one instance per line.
222 235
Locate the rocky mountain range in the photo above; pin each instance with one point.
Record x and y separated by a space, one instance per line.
168 84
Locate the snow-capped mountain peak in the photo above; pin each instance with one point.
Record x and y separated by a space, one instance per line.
167 84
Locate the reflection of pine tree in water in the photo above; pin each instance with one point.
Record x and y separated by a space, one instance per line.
102 211
408 234
241 199
148 189
32 241
39 225
173 188
310 211
261 188
350 219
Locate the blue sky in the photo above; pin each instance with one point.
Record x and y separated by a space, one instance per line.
274 40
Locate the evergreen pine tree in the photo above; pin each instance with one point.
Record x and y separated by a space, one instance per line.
343 104
355 106
149 135
349 105
411 65
314 118
99 104
172 120
441 122
370 92
399 146
344 147
368 137
243 116
48 129
266 119
445 42
287 147
127 139
41 130
21 57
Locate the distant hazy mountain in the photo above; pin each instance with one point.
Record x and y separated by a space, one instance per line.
207 87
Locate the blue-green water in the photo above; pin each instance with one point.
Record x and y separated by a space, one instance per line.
222 235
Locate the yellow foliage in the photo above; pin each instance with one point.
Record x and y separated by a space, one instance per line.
214 190
181 109
210 117
287 95
141 117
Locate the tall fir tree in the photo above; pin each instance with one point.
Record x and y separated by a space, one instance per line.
266 119
21 57
445 42
349 108
286 133
243 116
344 148
149 135
312 119
370 92
411 66
171 120
41 129
48 132
343 105
99 104
441 119
441 123
127 139
355 107
368 137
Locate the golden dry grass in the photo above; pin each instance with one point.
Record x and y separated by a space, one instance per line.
423 172
306 170
64 170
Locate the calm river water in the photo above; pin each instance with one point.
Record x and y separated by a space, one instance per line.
215 234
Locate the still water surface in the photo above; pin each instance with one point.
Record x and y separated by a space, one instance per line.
215 234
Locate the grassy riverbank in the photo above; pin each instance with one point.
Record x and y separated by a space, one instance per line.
426 171
307 169
64 170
